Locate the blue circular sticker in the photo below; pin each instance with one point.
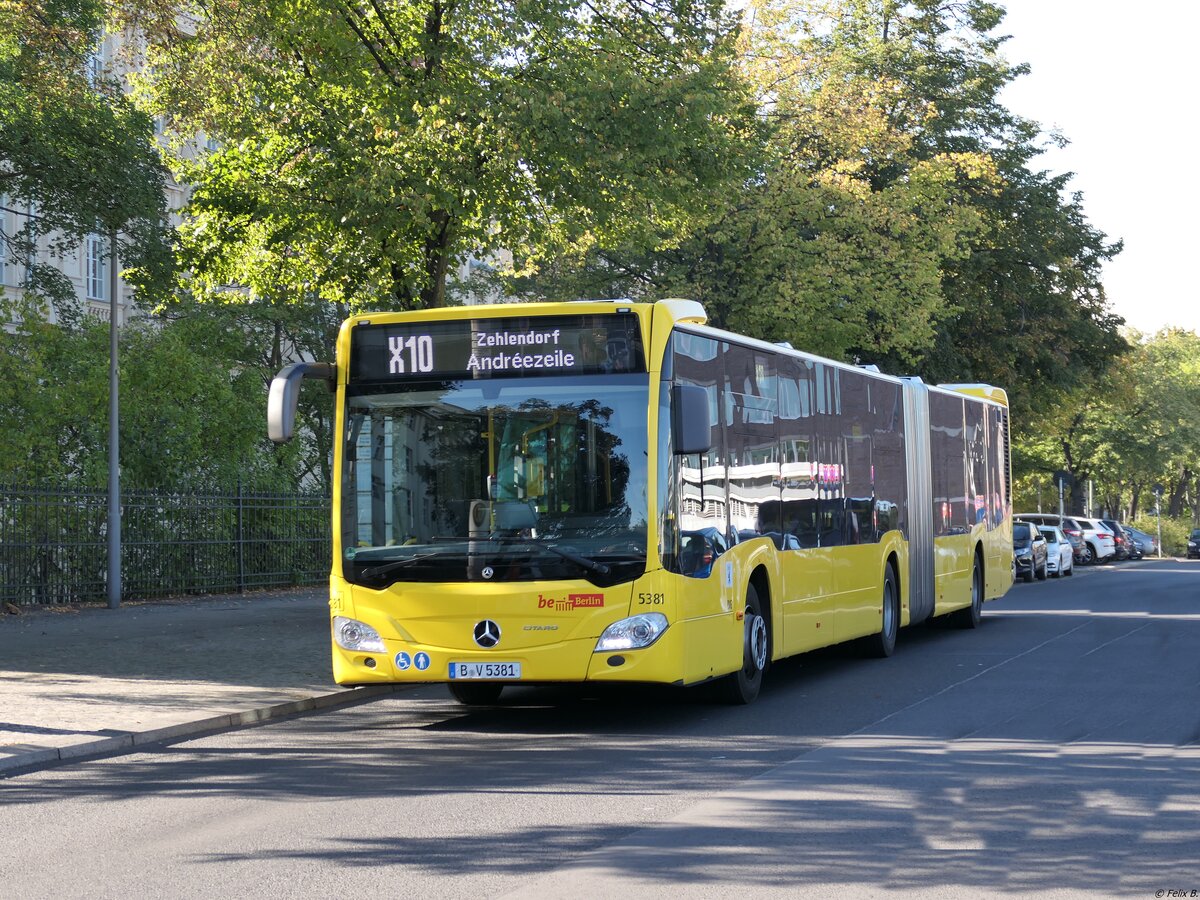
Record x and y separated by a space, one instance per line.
403 660
421 660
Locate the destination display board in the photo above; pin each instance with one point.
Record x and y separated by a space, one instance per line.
497 348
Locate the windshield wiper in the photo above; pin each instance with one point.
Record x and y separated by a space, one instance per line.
590 564
376 571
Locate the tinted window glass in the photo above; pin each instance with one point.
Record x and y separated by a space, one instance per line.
703 504
947 448
753 442
465 479
797 439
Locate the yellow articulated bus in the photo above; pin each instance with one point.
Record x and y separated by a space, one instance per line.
613 491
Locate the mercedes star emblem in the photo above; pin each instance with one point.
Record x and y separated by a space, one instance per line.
487 634
487 572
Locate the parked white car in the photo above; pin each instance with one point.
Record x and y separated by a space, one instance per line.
1060 557
1098 539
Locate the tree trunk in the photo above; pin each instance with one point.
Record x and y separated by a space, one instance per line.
437 263
1178 491
276 350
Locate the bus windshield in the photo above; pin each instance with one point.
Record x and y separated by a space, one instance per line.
503 479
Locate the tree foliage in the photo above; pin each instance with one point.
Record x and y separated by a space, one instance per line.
1025 304
74 147
1136 426
192 414
898 215
837 245
365 147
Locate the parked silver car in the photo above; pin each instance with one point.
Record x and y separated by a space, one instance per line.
1147 543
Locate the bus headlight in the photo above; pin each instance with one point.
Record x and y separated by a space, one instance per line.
632 633
352 634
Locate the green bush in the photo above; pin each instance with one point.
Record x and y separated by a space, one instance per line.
1174 532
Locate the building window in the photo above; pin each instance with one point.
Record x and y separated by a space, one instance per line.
95 282
94 64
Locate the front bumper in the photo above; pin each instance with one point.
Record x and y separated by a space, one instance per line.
564 661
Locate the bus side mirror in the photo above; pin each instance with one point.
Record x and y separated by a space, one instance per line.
691 429
285 391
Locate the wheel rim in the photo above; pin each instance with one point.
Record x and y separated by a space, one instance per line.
756 644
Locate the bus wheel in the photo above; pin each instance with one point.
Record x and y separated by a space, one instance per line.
744 684
475 693
970 617
883 644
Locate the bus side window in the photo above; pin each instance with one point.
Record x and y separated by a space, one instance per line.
796 440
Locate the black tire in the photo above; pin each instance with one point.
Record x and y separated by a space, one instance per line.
1028 576
1058 571
1041 576
475 693
1070 569
883 644
742 687
971 616
1089 555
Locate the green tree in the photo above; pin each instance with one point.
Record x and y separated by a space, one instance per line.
74 147
1025 302
816 249
255 340
367 147
896 216
1135 426
192 417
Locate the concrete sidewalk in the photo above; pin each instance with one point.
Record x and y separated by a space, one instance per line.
91 681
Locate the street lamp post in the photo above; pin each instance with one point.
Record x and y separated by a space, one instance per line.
114 470
1062 480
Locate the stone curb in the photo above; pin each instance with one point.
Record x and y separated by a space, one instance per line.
35 759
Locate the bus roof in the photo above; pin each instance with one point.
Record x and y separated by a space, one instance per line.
678 310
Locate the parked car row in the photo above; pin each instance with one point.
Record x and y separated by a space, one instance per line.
1049 544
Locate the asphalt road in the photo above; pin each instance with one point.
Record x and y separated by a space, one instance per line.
1053 752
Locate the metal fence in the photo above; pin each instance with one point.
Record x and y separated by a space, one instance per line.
54 543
